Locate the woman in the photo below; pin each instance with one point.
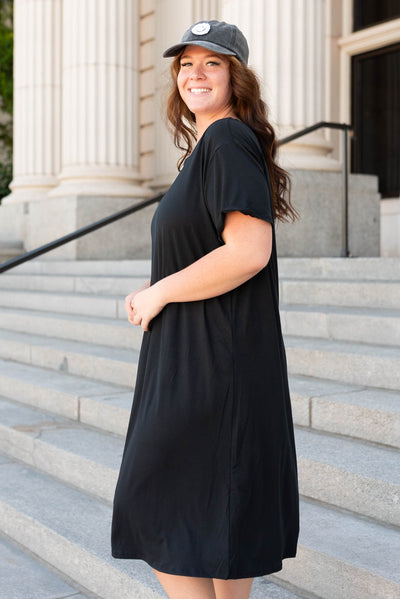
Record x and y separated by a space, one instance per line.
207 492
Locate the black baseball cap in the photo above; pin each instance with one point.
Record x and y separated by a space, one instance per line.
218 36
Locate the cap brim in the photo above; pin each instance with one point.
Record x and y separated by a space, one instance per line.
174 50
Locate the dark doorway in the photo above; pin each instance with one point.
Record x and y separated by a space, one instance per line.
372 12
375 146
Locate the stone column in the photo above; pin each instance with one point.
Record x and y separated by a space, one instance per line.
100 121
37 90
288 49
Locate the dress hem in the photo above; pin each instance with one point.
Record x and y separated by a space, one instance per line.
269 568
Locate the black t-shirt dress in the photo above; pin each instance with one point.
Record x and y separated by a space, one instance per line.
208 481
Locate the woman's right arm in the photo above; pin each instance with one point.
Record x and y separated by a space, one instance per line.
129 299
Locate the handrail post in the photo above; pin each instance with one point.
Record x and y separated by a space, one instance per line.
345 195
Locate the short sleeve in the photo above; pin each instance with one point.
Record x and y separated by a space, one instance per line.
236 179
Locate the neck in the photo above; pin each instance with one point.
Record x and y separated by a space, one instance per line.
203 122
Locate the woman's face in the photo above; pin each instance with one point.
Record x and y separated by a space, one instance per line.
204 82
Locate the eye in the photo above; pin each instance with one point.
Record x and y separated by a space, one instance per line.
213 63
185 64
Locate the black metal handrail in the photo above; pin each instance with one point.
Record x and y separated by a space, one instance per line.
345 128
311 128
43 249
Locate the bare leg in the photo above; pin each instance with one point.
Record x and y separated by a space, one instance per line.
186 587
232 589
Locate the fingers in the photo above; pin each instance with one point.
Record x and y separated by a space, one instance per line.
145 324
138 320
135 319
128 305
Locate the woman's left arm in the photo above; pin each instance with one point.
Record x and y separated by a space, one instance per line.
246 251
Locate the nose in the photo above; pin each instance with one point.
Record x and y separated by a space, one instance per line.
197 72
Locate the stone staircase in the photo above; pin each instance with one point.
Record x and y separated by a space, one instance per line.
67 368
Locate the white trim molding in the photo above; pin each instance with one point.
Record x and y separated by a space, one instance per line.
358 42
371 38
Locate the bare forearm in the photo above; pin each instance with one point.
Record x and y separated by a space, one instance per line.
216 273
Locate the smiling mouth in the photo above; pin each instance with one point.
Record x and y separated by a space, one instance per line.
199 90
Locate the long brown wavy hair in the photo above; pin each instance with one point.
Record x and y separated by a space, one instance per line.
248 106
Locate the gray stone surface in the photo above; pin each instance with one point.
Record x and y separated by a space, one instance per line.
63 518
48 265
352 363
102 285
373 326
109 364
72 532
70 303
108 413
65 215
360 412
372 269
334 382
346 473
318 232
350 474
362 543
21 577
73 437
86 329
359 294
51 390
371 461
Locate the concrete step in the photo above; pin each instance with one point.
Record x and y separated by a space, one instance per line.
339 555
128 268
65 303
373 269
357 293
385 269
360 412
342 324
358 364
76 454
99 285
71 531
91 402
364 413
104 298
353 363
37 581
108 364
349 474
86 329
345 473
42 581
380 327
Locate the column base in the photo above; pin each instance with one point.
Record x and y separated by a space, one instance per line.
310 152
96 187
29 189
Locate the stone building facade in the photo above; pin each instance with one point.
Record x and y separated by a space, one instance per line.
90 136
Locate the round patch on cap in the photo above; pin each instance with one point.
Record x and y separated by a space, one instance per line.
201 28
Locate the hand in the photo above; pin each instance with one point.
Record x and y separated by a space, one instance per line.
129 299
145 306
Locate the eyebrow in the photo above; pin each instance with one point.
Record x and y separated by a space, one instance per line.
207 56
